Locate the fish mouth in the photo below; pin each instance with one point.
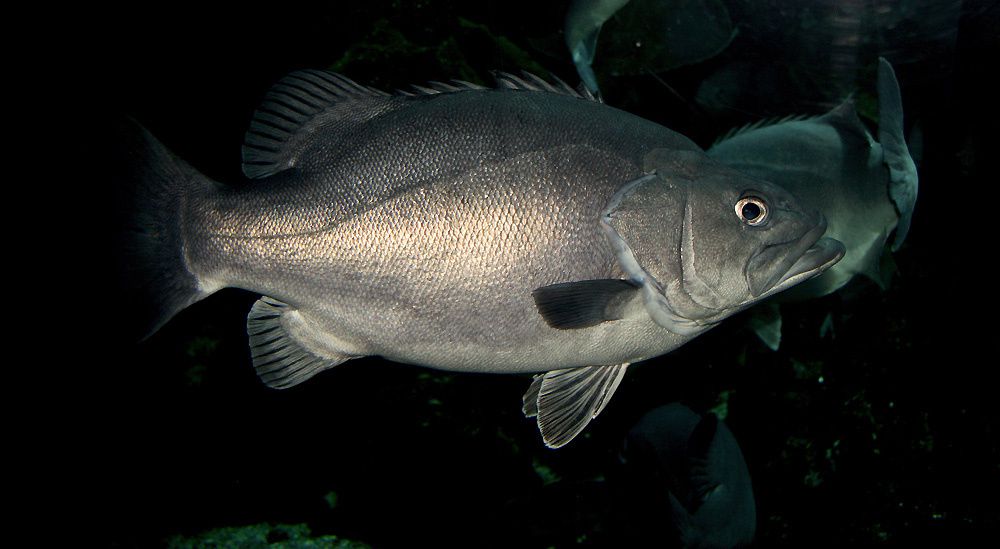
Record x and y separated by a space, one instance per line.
810 256
817 258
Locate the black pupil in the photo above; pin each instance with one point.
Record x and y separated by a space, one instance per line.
751 211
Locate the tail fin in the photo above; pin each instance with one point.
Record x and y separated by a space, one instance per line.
154 274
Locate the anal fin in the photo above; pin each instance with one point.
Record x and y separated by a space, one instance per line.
564 401
286 349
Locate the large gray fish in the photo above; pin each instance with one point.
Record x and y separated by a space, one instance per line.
866 189
519 229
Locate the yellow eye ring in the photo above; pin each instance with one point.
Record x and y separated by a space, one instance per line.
752 210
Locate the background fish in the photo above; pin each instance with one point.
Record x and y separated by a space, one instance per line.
867 189
689 485
644 36
520 229
583 25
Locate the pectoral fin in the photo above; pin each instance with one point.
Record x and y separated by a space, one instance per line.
564 401
573 305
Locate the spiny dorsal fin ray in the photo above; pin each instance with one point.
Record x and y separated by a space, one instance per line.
278 337
766 122
306 99
294 105
434 88
565 401
844 117
425 90
530 82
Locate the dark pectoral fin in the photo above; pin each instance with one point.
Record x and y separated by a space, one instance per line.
565 401
573 305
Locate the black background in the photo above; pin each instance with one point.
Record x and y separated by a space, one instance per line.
897 444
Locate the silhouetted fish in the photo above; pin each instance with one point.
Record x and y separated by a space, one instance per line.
689 475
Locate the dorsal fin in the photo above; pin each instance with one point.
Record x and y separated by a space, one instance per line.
294 105
434 88
531 82
306 99
759 124
845 118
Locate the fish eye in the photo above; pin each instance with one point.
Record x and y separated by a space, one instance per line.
752 210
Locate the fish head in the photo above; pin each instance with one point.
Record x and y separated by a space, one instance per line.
708 241
744 239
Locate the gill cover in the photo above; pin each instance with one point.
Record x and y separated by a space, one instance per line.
637 223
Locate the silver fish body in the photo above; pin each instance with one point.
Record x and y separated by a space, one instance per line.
423 236
523 229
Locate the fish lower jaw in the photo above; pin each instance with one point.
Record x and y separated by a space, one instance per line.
822 255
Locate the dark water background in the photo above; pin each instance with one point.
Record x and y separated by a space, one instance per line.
884 433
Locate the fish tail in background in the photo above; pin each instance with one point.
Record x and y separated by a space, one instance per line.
154 278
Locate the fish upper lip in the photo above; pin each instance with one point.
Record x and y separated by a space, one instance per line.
820 255
813 254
